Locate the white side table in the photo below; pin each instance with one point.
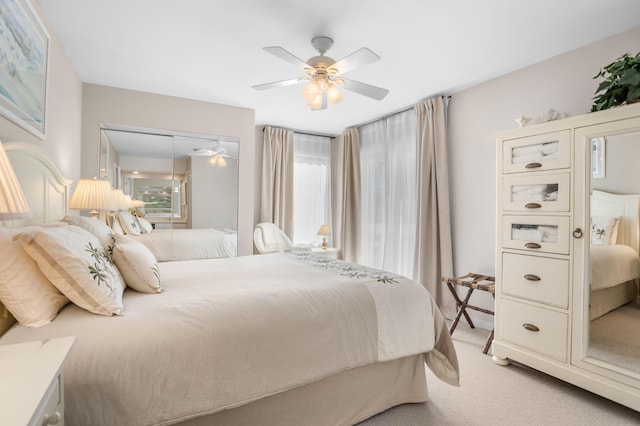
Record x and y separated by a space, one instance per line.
329 251
32 391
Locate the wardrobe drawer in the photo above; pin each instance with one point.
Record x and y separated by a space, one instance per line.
537 278
547 151
534 192
538 329
545 234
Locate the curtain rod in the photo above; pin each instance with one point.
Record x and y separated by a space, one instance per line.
302 133
392 114
361 124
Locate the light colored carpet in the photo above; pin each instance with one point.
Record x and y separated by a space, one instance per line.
493 395
615 337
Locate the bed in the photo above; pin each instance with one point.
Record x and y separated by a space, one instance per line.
272 339
177 243
615 265
189 244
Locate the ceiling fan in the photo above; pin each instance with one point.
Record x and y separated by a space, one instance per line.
324 74
217 154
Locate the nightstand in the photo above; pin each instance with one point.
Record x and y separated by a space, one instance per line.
32 390
329 251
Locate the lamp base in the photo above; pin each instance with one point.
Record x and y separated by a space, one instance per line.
324 243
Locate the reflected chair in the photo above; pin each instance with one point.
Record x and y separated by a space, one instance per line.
268 238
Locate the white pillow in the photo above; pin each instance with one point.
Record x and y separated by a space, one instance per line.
604 230
145 225
115 226
129 223
78 265
137 264
24 290
96 227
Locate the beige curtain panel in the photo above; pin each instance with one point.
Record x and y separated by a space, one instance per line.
346 194
277 179
434 254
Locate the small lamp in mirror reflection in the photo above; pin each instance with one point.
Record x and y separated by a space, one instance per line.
324 231
137 205
12 202
94 195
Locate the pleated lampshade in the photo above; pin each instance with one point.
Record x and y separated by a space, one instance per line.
93 195
12 202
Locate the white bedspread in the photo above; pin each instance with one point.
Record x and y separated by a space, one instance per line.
612 265
229 331
189 244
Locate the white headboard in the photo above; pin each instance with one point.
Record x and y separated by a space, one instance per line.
627 208
45 188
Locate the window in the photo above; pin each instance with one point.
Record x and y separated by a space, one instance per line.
311 183
389 192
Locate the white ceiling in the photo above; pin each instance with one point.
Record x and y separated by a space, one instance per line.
211 50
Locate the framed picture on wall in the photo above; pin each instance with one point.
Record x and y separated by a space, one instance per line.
24 62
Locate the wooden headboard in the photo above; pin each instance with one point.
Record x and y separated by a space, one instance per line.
45 189
627 208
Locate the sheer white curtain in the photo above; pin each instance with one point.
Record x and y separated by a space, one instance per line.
312 186
389 209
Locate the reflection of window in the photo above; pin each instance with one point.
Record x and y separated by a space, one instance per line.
163 197
311 183
597 157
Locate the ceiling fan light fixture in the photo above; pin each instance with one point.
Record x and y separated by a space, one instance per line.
334 95
311 90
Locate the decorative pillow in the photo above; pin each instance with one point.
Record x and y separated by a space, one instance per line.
604 230
137 264
115 226
24 290
96 227
129 223
78 265
145 225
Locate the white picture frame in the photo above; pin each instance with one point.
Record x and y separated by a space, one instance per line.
598 157
24 66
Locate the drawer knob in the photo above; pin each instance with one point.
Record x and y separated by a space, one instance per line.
533 165
52 419
532 206
531 277
530 327
532 245
577 233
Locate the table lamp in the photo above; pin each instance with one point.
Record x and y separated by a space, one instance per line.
12 202
93 195
324 231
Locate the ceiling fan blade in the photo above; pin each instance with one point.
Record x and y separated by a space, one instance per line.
377 93
276 84
287 56
357 59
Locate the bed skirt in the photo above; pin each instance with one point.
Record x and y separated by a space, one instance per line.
342 399
608 299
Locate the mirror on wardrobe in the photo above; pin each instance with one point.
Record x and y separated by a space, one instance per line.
183 180
614 265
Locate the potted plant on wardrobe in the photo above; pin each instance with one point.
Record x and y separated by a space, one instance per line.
621 83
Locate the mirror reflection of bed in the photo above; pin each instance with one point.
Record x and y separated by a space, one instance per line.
186 186
614 332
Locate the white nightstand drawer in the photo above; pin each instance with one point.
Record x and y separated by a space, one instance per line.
52 410
537 278
329 251
536 193
538 329
539 152
548 234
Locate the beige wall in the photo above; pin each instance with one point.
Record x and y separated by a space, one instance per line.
564 83
109 105
63 112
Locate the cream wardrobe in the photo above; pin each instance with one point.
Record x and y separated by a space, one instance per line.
547 271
